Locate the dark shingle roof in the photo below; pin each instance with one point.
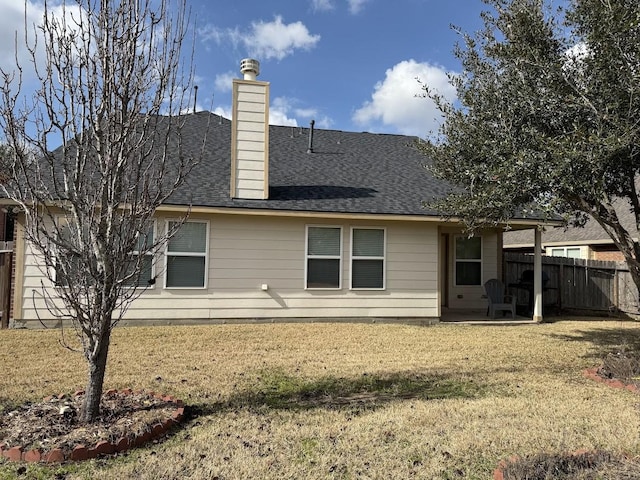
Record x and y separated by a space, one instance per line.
346 173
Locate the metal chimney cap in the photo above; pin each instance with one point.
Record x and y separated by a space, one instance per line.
250 68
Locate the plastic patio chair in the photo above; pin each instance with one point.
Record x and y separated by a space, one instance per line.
498 301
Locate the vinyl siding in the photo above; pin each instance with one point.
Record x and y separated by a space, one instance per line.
247 252
250 139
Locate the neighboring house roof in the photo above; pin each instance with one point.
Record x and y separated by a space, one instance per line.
590 234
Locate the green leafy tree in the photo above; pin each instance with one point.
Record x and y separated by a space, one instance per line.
112 87
547 117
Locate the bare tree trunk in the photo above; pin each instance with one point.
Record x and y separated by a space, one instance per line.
93 392
634 270
605 214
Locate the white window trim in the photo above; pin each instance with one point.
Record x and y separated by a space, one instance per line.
468 260
383 258
168 254
308 257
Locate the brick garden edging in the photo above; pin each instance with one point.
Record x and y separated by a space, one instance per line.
102 447
592 374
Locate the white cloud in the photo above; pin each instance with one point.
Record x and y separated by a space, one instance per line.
283 107
322 5
16 15
279 117
306 112
394 102
579 51
223 111
355 6
224 81
12 33
279 112
266 40
278 40
313 114
211 33
576 57
324 122
282 112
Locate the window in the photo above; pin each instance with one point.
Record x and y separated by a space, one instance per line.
187 255
468 261
569 252
70 269
147 275
74 269
367 258
323 260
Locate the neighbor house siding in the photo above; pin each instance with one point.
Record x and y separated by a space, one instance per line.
246 253
606 253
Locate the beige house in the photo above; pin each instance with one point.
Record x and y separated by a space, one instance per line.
295 223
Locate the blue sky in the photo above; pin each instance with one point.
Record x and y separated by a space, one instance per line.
348 64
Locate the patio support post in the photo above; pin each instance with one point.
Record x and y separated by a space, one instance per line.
537 277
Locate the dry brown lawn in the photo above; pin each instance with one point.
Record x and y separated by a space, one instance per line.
348 401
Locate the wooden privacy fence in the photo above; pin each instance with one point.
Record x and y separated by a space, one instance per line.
578 284
6 251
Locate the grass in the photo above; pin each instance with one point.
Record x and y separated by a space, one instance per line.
333 401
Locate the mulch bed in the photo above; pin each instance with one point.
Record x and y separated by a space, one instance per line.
622 366
127 419
584 465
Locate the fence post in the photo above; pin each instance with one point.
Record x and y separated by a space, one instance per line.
560 285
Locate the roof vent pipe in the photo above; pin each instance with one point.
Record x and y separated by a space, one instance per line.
250 68
310 149
195 98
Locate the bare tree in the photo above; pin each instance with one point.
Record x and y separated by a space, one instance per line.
113 88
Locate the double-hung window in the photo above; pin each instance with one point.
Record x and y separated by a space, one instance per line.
186 255
68 264
468 260
569 252
71 266
323 257
368 258
142 258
